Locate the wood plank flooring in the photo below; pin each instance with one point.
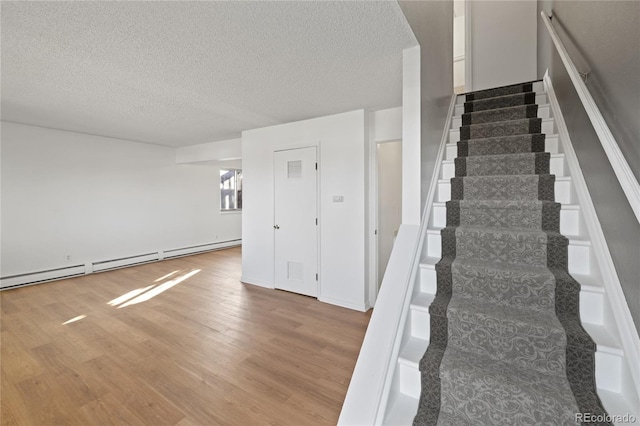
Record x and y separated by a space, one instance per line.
179 342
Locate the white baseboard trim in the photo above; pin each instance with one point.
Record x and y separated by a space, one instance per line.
91 267
613 288
364 307
256 282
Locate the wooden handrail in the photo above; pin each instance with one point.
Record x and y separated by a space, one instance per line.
621 168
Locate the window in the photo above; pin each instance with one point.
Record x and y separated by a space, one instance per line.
230 189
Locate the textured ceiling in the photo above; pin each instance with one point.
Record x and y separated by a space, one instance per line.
181 73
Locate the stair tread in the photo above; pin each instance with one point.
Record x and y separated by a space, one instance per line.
524 232
429 262
544 120
540 398
503 313
462 96
588 283
606 341
421 301
558 178
455 144
413 351
471 360
577 240
506 156
401 411
540 106
563 206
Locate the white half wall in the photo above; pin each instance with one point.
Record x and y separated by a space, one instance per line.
70 199
503 42
342 142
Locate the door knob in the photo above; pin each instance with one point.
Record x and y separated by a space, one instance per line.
276 226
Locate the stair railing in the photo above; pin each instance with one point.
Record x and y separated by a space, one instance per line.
621 168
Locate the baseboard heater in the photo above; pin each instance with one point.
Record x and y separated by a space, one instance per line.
41 276
185 251
107 265
38 277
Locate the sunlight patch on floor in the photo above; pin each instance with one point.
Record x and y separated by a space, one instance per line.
129 295
167 276
78 318
158 289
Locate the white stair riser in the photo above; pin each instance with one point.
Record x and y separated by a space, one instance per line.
592 307
409 380
541 99
556 167
569 219
579 254
548 127
550 144
428 280
420 325
562 191
609 371
543 112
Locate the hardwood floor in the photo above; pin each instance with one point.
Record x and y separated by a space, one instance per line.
179 342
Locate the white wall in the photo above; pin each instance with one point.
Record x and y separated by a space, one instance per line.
503 42
386 125
342 142
411 136
432 24
458 51
95 198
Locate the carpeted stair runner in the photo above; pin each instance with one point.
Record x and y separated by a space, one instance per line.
506 346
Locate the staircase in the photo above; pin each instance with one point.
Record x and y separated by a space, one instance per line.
509 293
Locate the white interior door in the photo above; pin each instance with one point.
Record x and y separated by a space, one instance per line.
295 227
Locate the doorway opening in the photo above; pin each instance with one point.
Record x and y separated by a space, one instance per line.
389 195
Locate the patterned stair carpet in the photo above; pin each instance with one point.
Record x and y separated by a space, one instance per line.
506 347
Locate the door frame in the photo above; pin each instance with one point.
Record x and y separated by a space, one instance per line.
291 147
373 218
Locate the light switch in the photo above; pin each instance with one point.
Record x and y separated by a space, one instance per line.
338 198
